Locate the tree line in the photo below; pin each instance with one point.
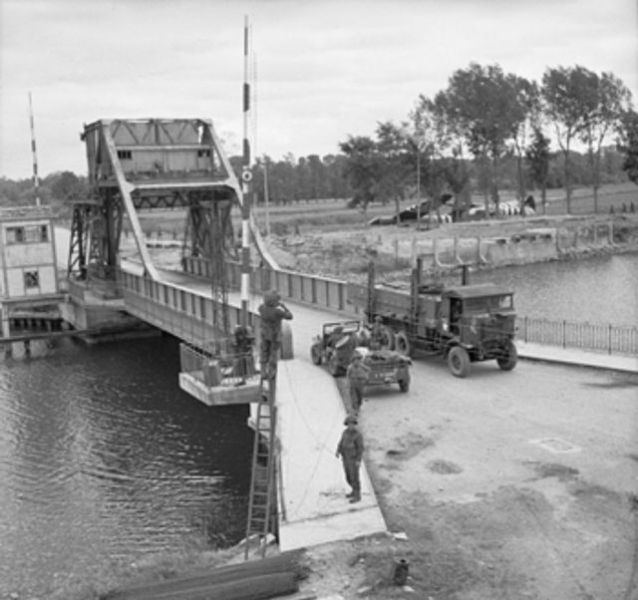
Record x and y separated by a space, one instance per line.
489 130
486 131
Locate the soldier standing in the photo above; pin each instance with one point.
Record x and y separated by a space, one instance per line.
377 334
272 313
350 449
357 375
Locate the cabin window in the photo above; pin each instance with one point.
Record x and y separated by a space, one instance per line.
30 234
15 235
124 154
31 279
203 152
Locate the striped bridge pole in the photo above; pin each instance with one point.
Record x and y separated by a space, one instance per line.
36 179
246 177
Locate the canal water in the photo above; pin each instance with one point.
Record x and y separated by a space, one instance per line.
103 460
598 290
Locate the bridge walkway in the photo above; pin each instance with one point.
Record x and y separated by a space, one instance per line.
312 504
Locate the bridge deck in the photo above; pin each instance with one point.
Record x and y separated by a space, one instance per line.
311 418
310 421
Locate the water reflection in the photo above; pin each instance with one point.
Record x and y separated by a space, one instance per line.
103 458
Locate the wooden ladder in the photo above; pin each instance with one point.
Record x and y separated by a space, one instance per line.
262 480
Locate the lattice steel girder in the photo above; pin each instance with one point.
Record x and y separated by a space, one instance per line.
209 230
154 163
76 265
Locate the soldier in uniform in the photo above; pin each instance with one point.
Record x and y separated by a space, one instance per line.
272 312
243 341
350 449
357 375
377 334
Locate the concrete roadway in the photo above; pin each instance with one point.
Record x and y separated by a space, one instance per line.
590 414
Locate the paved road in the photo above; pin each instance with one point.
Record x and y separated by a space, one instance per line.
542 458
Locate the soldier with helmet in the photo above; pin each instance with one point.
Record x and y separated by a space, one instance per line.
357 376
377 334
272 312
350 449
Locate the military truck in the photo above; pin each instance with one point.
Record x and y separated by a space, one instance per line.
463 323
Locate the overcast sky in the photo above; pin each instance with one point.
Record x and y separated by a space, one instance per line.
325 69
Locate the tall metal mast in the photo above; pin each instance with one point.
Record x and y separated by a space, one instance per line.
36 179
246 177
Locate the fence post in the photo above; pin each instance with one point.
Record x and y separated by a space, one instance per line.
525 325
564 340
609 340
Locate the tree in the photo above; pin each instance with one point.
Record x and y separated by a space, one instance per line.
537 155
564 92
67 188
527 96
484 105
395 165
444 136
361 168
606 100
628 143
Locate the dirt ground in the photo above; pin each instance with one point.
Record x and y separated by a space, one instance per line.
479 513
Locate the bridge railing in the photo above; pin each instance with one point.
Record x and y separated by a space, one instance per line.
190 315
217 366
330 293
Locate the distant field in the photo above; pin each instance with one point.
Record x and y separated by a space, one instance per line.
331 213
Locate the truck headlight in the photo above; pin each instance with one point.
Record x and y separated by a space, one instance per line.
445 325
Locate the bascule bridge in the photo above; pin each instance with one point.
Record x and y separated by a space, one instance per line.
146 164
140 165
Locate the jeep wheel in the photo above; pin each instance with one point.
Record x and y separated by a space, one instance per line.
315 354
333 367
402 343
458 361
509 358
404 384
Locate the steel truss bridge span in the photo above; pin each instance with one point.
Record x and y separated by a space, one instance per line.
140 164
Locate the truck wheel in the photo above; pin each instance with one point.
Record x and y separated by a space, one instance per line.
458 361
388 338
402 343
315 354
404 384
510 357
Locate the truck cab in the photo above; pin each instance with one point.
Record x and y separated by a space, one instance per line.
480 321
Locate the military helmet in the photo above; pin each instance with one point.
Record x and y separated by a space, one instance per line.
272 298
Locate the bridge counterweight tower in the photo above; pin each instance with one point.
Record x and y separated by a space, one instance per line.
140 164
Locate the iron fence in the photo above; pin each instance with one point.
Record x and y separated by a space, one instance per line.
613 339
